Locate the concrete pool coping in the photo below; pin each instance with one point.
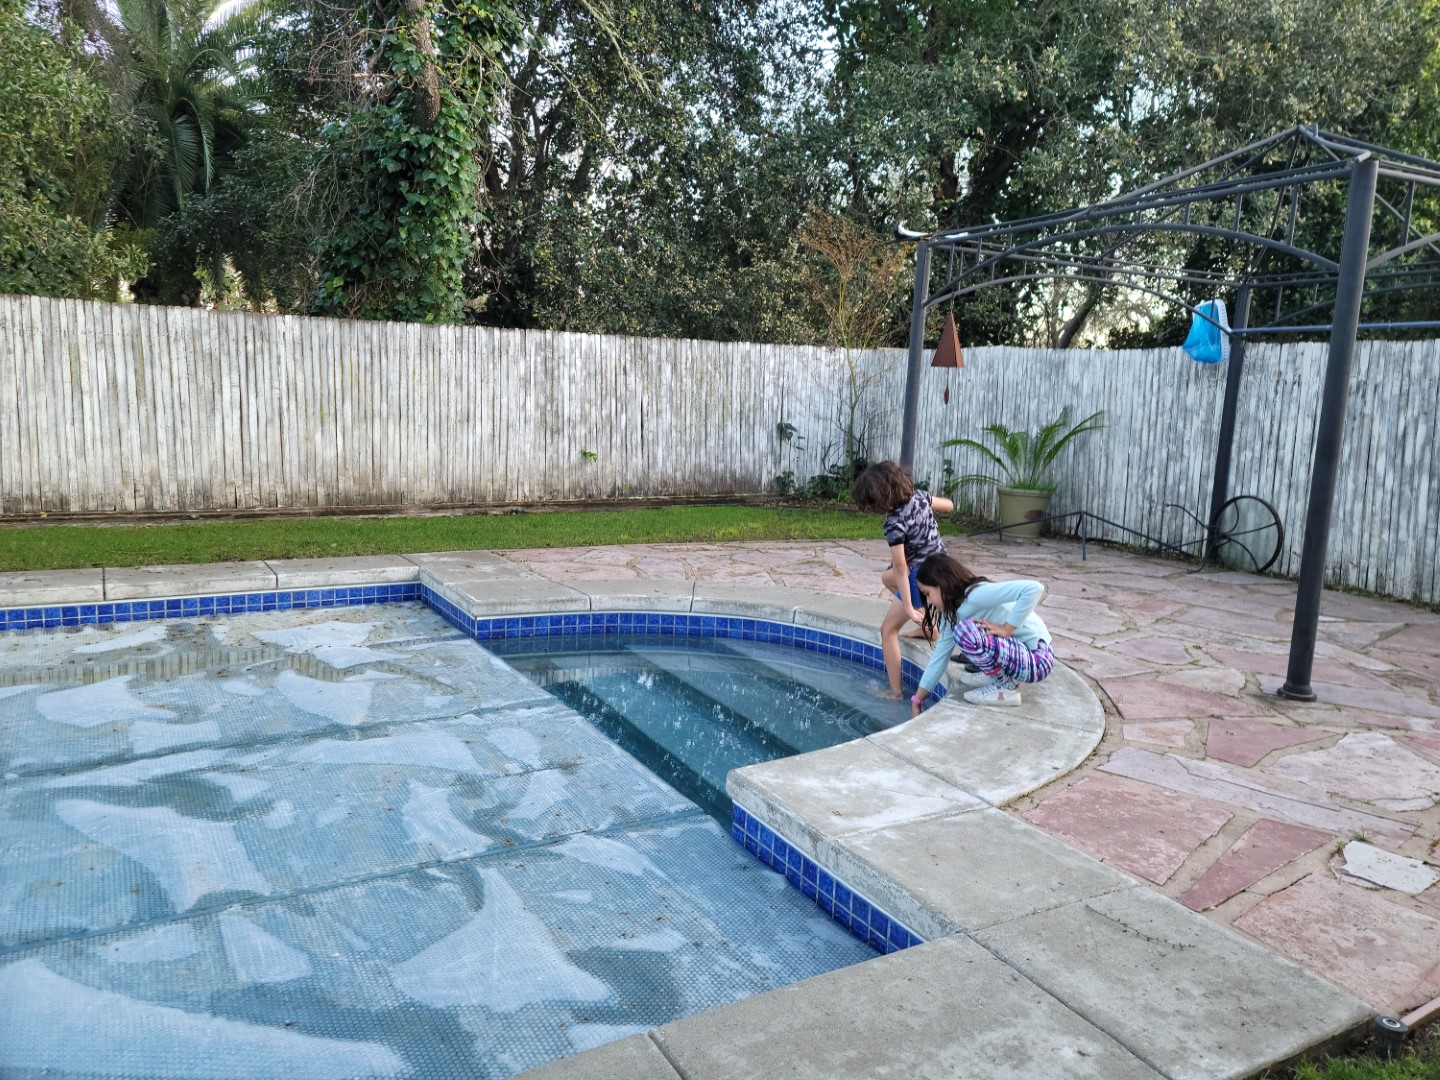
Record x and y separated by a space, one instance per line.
1040 961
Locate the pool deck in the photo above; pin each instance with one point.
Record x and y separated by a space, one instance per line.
1138 873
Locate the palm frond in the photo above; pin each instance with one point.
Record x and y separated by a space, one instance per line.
185 73
971 444
1024 458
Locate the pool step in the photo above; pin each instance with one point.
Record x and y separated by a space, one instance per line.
762 686
694 755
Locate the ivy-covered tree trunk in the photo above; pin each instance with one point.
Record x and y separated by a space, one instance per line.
400 249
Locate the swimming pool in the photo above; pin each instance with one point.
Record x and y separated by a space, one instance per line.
691 711
349 842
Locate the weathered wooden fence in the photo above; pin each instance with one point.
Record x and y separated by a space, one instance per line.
140 409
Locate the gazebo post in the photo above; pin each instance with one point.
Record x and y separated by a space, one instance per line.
1220 483
1349 291
917 355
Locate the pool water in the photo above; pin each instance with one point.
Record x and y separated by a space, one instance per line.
352 843
692 710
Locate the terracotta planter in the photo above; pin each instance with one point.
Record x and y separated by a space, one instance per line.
1022 505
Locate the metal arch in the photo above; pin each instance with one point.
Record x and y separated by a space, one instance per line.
1431 241
1254 239
1132 267
1120 284
1131 205
1330 139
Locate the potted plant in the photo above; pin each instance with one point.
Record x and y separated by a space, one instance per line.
1023 486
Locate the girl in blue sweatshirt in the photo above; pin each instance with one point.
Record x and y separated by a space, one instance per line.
992 623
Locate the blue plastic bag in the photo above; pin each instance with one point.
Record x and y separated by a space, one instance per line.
1208 342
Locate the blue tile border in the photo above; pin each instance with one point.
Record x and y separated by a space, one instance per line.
51 616
679 624
862 917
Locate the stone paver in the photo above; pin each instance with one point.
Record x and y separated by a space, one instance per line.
474 565
844 789
635 1057
1244 741
636 594
355 570
943 1011
994 754
507 596
1225 784
1145 830
1174 733
1381 952
1409 706
155 582
975 870
1152 699
1266 847
1132 962
1368 767
43 588
1367 864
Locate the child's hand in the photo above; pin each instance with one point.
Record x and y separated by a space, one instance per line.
916 615
1001 630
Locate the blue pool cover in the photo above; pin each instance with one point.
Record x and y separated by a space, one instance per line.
347 843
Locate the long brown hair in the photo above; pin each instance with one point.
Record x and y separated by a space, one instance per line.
954 580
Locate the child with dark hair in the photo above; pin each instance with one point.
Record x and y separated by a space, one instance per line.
992 623
914 536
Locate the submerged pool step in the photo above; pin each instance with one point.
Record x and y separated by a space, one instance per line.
689 738
765 693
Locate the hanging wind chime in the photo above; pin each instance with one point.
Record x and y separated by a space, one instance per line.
948 355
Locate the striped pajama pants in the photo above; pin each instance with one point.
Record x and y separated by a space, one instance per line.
1007 657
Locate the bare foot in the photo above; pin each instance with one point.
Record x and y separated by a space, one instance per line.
886 693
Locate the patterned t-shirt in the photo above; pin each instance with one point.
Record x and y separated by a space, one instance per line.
914 526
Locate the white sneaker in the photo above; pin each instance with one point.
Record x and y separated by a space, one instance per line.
996 693
974 678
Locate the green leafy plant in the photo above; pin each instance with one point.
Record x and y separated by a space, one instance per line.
833 483
589 455
1022 458
400 253
855 280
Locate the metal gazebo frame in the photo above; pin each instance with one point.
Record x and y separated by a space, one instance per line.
1112 243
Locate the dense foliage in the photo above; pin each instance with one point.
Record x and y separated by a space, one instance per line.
644 167
399 251
57 147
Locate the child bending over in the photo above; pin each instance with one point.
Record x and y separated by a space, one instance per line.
992 623
913 536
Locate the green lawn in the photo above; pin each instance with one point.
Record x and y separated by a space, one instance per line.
1420 1061
55 547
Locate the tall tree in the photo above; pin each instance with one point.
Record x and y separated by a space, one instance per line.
57 148
637 183
946 112
398 252
179 71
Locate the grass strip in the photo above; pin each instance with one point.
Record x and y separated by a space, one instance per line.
59 547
